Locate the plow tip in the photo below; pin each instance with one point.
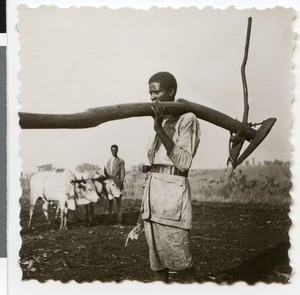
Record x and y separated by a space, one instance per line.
259 136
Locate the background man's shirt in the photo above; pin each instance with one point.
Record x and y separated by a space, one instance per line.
116 168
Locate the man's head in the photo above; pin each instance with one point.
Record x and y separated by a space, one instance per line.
114 150
162 86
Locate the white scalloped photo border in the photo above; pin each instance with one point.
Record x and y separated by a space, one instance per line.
15 284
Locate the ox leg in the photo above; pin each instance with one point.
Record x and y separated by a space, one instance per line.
119 212
110 208
63 215
106 201
75 214
87 213
57 211
92 208
45 211
30 214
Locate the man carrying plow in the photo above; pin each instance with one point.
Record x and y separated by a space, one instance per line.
166 208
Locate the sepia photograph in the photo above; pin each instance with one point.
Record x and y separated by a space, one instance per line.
155 144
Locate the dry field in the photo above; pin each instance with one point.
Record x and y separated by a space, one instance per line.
240 233
266 184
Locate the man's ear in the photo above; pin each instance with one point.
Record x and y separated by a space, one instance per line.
172 92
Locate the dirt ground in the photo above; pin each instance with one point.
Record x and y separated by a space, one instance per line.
230 243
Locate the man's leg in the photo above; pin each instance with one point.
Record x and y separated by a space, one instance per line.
161 275
156 257
119 211
176 248
186 275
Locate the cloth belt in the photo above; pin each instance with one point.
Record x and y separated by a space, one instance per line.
165 169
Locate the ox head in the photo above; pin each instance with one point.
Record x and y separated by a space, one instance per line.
85 191
113 188
108 186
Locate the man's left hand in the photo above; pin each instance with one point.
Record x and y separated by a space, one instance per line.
158 115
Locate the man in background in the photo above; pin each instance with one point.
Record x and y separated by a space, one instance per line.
115 169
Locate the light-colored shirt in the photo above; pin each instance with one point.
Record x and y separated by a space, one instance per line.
185 132
112 163
116 168
167 198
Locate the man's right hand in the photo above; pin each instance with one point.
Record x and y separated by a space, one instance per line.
135 233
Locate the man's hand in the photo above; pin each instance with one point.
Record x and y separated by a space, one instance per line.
135 233
158 115
158 119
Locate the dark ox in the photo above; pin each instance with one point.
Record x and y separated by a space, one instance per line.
106 188
83 188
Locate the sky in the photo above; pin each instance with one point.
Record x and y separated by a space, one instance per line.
90 57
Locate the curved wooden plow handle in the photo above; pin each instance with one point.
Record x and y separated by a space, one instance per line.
96 116
235 148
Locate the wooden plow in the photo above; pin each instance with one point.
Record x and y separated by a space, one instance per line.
239 131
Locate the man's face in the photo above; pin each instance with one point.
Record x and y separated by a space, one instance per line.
159 93
114 151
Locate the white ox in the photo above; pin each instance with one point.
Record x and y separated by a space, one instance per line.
60 188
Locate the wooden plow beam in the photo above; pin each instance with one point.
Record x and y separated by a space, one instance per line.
96 116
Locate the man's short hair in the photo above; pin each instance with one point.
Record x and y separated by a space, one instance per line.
167 81
114 146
